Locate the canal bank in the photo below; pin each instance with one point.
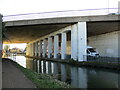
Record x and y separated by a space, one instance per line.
92 64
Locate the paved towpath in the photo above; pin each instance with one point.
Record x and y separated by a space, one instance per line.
12 77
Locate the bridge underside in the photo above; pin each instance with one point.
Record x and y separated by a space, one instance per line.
26 34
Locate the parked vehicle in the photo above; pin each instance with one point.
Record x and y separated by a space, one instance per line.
92 51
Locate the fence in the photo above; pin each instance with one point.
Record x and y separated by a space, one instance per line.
67 13
102 59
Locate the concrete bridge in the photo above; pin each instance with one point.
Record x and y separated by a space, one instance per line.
66 36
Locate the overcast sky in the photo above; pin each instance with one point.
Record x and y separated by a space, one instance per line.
11 7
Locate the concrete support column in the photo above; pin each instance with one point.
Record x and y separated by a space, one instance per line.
44 47
79 41
63 45
40 49
82 41
31 49
49 47
74 42
56 47
27 50
36 48
32 45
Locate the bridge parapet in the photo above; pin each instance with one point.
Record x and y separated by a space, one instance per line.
59 14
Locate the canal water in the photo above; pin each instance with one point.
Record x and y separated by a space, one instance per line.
79 77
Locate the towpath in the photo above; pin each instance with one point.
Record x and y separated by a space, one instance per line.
13 77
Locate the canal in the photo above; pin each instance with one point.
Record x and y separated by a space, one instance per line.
79 77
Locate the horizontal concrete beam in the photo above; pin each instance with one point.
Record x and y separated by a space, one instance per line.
63 20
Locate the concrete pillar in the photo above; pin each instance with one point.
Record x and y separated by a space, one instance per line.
74 42
82 41
56 47
0 52
40 49
44 47
79 41
27 50
49 47
32 49
63 45
36 48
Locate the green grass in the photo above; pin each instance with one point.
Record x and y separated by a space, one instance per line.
42 80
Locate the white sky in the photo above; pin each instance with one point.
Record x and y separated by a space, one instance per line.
20 46
11 7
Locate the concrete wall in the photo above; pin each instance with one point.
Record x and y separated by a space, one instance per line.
106 44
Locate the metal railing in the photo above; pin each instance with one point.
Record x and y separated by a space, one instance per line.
57 14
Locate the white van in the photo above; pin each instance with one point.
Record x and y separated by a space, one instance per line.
92 51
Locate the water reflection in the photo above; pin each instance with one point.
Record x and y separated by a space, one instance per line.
19 59
76 76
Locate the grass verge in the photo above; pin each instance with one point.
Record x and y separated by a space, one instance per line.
42 80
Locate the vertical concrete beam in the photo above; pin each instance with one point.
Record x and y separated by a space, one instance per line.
82 41
30 49
38 43
63 45
44 47
56 47
74 41
49 47
40 47
33 49
36 48
27 50
32 46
